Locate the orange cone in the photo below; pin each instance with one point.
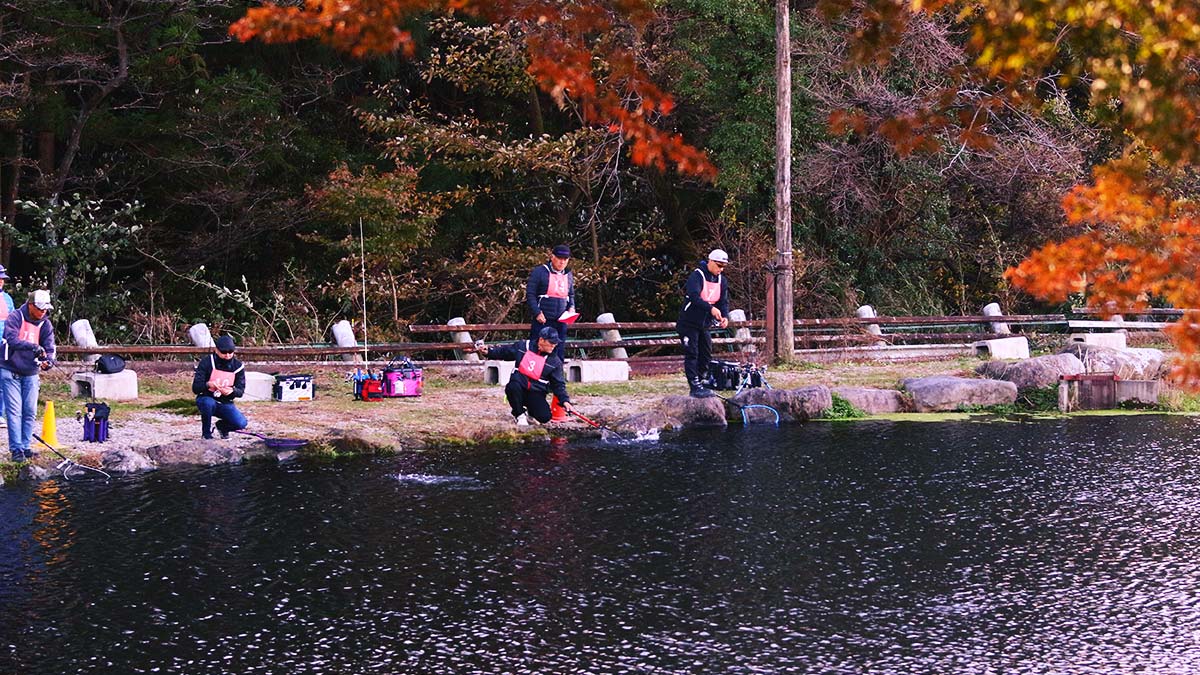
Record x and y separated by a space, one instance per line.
557 412
50 425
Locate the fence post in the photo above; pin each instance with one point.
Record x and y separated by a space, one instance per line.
343 336
868 312
998 327
742 332
200 336
463 337
81 331
612 336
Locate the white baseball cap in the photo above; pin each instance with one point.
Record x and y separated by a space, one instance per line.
41 300
718 255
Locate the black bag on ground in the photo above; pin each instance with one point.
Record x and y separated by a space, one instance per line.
725 374
110 364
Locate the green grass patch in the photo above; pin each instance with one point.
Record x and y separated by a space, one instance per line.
843 410
177 406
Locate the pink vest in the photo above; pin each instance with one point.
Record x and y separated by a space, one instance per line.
532 364
221 378
559 284
711 292
29 331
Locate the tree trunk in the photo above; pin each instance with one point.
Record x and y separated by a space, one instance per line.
8 205
784 292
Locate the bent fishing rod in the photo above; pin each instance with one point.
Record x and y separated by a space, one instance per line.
597 425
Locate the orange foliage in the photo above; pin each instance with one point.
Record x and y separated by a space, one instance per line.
562 40
1137 245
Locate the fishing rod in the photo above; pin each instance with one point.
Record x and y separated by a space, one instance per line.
66 464
598 425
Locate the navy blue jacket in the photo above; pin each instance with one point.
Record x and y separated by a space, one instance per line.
553 379
20 356
204 368
535 292
697 313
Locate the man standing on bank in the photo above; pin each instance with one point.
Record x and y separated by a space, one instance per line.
550 293
705 304
539 371
219 379
6 307
28 350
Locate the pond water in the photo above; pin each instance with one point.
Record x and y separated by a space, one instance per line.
1061 546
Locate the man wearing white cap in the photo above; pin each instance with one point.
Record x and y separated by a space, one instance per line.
705 304
28 349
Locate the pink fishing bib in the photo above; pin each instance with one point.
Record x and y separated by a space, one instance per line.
532 365
29 331
558 286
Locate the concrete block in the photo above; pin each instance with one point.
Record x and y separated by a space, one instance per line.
1114 340
497 372
122 386
597 371
1145 391
258 386
1003 348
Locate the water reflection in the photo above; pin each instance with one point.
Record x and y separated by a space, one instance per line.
1062 546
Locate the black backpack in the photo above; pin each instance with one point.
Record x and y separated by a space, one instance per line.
109 364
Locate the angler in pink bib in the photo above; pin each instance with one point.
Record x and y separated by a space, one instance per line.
28 350
705 305
220 378
550 293
538 372
6 308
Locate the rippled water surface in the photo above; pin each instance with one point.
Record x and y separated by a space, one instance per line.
1040 547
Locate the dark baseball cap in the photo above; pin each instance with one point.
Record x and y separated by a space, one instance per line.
549 335
225 344
562 251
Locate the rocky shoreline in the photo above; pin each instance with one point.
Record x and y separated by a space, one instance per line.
162 432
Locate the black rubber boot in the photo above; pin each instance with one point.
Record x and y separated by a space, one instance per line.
697 390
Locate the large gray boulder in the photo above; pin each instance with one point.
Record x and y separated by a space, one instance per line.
644 423
1128 364
873 401
124 460
793 405
694 412
194 453
945 392
1035 373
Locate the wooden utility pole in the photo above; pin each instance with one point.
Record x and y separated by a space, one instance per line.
784 310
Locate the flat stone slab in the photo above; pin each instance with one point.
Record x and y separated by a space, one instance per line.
1035 373
1110 340
941 393
793 405
694 412
873 401
194 453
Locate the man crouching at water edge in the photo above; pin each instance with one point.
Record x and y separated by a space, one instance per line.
219 379
539 372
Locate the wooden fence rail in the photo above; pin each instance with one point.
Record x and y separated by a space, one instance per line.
810 333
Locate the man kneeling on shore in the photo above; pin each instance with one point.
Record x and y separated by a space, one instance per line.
539 372
219 379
